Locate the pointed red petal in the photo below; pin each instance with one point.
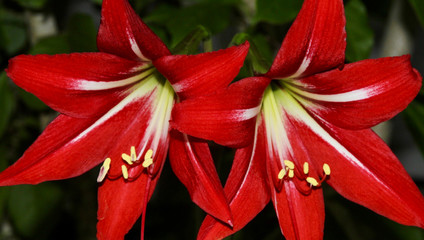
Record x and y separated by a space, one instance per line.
198 75
67 82
192 163
227 117
70 146
246 188
358 96
316 41
122 33
363 169
300 216
120 205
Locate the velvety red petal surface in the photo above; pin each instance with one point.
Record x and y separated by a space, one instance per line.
364 170
315 43
122 33
363 94
301 217
246 189
201 74
69 146
192 162
67 82
120 205
227 117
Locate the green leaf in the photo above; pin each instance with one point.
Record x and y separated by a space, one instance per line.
414 116
31 206
7 103
276 11
82 33
34 4
13 33
360 37
51 45
190 44
31 101
99 2
214 17
418 6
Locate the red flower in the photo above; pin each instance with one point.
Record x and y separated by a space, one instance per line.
115 107
306 121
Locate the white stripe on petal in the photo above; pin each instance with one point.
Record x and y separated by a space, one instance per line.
102 85
354 95
134 46
246 114
140 91
295 110
302 68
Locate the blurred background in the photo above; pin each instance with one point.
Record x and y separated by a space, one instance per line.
67 209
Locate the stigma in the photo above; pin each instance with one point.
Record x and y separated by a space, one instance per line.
130 161
290 173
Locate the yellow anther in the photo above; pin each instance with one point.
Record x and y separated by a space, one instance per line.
124 171
147 163
289 164
104 169
148 160
306 168
312 181
133 154
127 158
281 174
291 173
148 154
326 169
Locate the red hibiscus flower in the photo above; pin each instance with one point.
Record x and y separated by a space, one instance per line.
305 122
115 107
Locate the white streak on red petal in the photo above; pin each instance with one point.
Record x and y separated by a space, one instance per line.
277 137
158 127
140 90
134 46
302 68
102 85
295 110
246 114
354 95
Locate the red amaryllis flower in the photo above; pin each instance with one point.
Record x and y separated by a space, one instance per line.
115 108
307 121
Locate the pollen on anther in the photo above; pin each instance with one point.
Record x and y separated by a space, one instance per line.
104 170
306 168
326 169
291 173
281 174
127 158
312 181
133 154
289 164
124 171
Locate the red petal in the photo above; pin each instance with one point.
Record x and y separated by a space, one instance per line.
316 41
358 96
69 146
120 204
227 117
198 75
300 216
123 33
246 188
192 163
364 170
68 82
